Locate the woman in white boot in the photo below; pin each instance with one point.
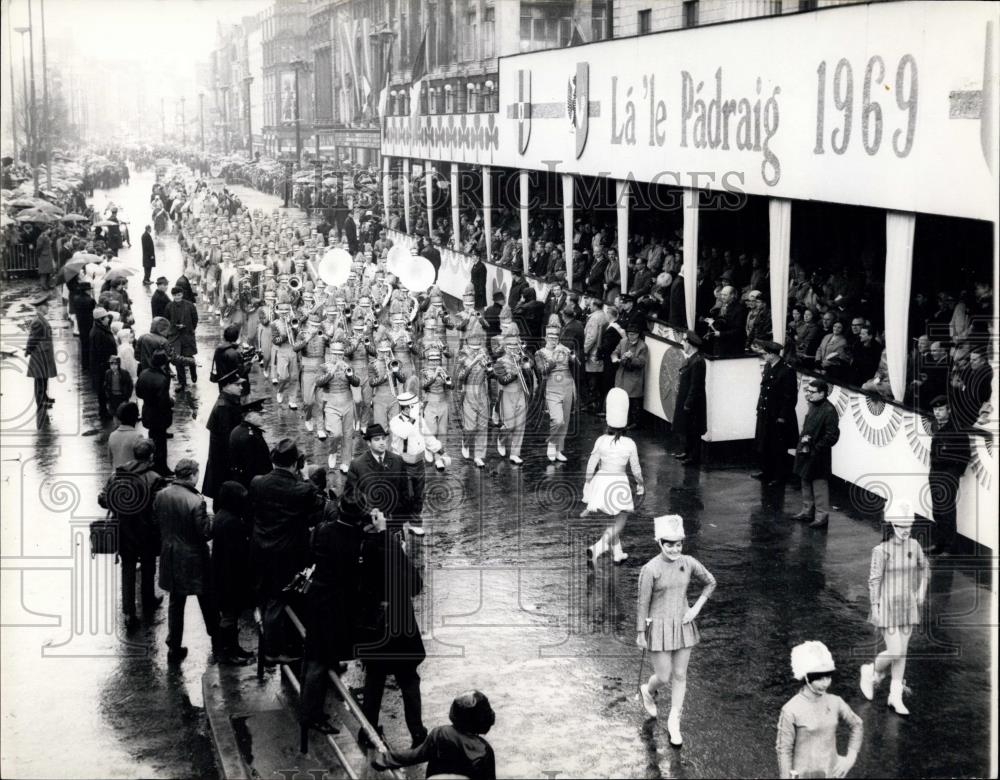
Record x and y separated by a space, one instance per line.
807 728
607 489
671 631
897 586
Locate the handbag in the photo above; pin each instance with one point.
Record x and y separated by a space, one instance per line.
104 536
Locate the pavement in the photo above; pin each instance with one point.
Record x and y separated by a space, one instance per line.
509 607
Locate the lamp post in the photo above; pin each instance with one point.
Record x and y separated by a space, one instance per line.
46 119
248 80
10 67
201 119
27 105
183 124
297 65
225 118
34 104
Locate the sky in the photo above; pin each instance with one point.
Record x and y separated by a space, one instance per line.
135 29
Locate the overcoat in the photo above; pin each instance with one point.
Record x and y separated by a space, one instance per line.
41 354
185 527
183 317
690 411
778 393
631 375
822 426
223 419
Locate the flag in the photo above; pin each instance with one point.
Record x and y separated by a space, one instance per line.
576 39
348 32
416 80
383 95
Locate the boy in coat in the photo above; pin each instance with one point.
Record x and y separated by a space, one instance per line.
41 358
820 431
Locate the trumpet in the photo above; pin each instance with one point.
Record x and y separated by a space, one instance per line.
349 372
393 365
294 282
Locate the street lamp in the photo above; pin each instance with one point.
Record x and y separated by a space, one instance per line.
27 105
297 65
248 80
201 119
225 118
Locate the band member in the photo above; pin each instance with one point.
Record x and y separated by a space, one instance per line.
436 384
554 362
436 309
467 315
359 349
474 369
412 440
265 336
403 347
286 364
513 371
310 345
337 402
386 378
434 338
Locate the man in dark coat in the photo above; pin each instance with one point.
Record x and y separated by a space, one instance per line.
153 389
777 427
351 231
180 513
41 358
249 455
813 461
129 496
148 254
949 457
83 307
691 407
114 232
678 303
376 479
388 633
478 279
727 332
183 318
232 579
284 506
160 300
518 285
529 315
610 339
102 346
227 360
223 419
492 316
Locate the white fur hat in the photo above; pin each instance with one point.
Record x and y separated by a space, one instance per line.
669 527
899 513
616 406
809 658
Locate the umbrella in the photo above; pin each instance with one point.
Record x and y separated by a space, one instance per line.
75 218
87 257
22 203
73 267
107 223
124 273
44 205
36 215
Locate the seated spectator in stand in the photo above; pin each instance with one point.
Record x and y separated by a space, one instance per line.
758 318
517 287
641 281
807 337
971 389
940 319
832 357
865 356
932 376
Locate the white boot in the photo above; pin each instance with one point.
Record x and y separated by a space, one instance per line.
501 448
439 463
465 451
895 700
674 728
648 700
550 452
309 426
331 461
618 553
597 549
869 680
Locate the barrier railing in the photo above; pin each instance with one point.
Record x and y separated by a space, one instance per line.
18 258
342 693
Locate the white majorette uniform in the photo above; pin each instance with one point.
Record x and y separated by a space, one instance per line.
411 440
607 488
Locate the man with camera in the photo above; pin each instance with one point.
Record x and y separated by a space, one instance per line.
229 358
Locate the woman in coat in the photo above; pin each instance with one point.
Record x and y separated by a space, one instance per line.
665 620
185 528
897 586
833 356
41 357
820 431
103 345
631 355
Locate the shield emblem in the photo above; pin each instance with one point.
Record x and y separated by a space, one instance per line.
581 116
523 110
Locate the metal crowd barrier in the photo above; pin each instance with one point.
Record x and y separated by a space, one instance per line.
18 258
342 693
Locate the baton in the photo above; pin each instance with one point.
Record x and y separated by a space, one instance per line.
642 661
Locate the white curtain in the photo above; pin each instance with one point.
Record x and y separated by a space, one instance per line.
488 213
567 191
690 253
898 276
623 196
525 251
780 222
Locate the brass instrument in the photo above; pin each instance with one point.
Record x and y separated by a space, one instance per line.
349 372
393 365
295 282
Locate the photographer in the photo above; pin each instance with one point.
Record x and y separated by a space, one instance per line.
229 358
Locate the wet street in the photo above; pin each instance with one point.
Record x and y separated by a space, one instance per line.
509 606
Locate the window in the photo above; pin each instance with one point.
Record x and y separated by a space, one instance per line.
470 99
449 99
546 25
646 21
690 13
489 25
808 5
600 20
469 33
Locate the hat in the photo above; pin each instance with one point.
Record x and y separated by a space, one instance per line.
40 300
811 658
669 527
899 513
373 430
254 404
185 467
407 399
939 400
768 346
471 713
99 312
553 330
510 331
285 453
627 298
315 316
633 326
692 338
616 405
